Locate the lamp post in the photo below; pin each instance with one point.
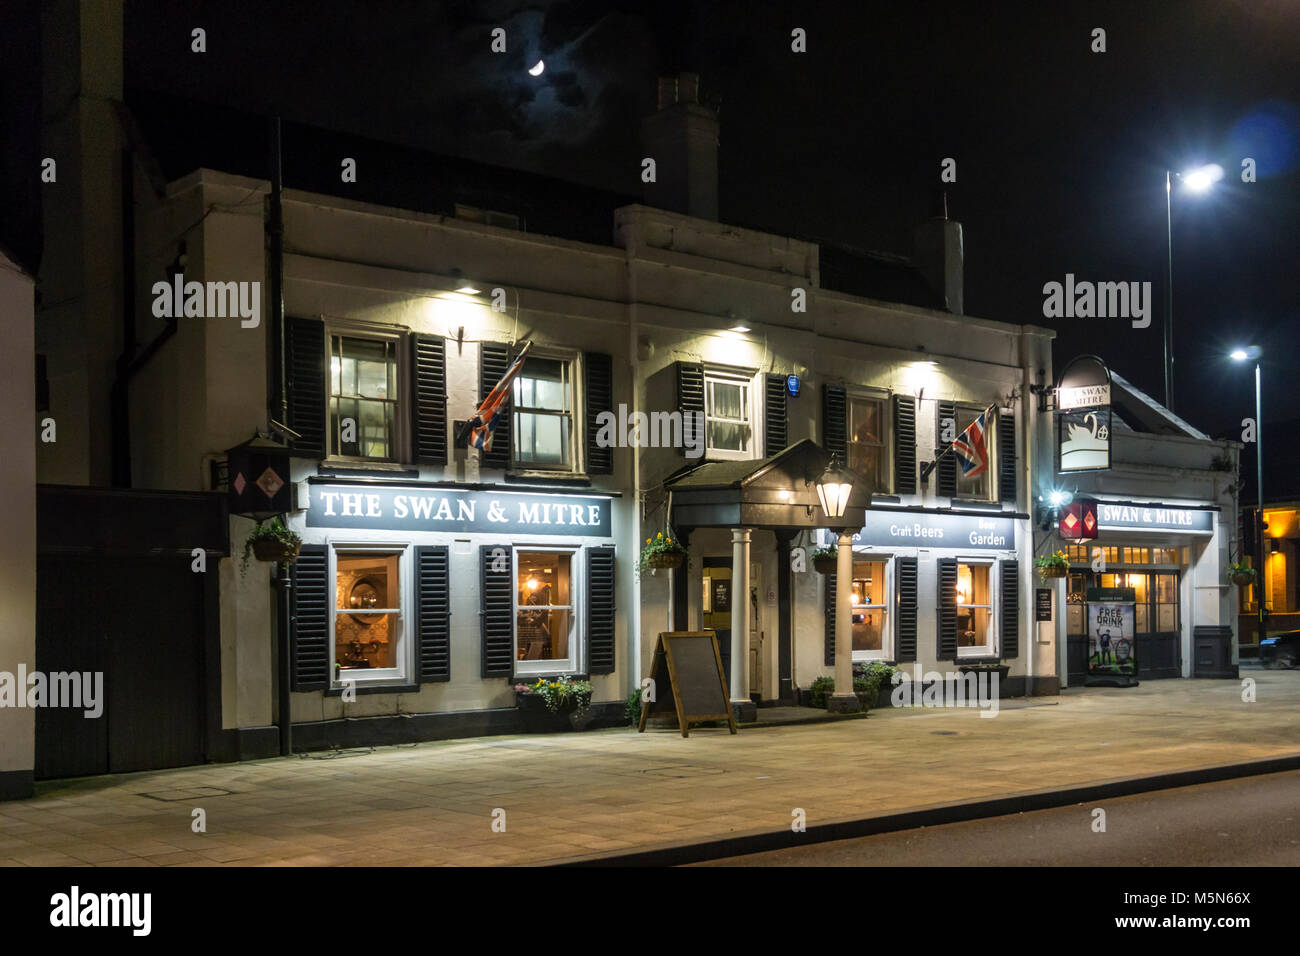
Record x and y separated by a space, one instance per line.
1245 355
833 490
1198 181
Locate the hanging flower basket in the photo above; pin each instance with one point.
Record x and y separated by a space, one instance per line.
1054 571
276 551
1053 565
826 560
669 559
1242 576
661 552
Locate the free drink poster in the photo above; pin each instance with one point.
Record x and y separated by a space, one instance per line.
1112 647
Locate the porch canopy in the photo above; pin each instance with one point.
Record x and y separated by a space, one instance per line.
778 492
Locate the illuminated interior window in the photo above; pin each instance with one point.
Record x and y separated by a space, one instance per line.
870 607
544 620
368 615
974 610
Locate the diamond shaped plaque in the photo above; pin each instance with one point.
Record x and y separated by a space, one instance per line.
270 482
240 483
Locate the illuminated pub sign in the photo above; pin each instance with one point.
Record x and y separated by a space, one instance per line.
410 508
1153 517
922 529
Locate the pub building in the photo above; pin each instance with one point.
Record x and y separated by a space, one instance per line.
1166 526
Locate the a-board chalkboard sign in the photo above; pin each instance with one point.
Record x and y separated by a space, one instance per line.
688 681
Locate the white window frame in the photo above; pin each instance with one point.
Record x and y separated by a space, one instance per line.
577 464
994 646
355 329
403 673
887 430
576 660
886 652
747 380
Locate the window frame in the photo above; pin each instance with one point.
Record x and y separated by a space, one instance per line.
747 380
577 659
577 466
990 443
400 336
886 652
994 646
852 394
404 672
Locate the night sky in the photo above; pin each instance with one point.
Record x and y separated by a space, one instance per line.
1060 151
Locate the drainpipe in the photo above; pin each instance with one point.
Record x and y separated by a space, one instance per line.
284 580
1031 429
634 619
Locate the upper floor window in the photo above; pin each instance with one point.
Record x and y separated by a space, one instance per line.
868 453
979 484
543 415
363 407
728 408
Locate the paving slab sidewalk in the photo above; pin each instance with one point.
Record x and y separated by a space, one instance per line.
569 796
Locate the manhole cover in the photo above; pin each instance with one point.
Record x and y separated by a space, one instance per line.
187 793
679 772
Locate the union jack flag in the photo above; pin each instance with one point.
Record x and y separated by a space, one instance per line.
971 447
483 425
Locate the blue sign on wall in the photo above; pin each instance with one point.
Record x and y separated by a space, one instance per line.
792 385
414 508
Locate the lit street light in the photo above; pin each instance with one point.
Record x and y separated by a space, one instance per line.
1197 180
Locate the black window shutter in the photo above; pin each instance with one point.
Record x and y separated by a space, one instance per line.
310 647
946 607
904 445
690 399
775 431
498 614
829 581
429 399
598 369
494 360
1007 456
835 421
600 610
946 482
433 613
905 632
304 360
1010 598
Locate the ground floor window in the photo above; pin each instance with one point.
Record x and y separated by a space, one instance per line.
974 610
369 631
545 622
1155 595
870 609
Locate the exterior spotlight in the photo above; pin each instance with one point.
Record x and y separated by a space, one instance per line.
1058 498
467 289
739 328
1245 354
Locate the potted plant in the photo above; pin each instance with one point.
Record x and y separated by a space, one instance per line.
1241 574
553 704
661 552
273 542
1055 565
825 560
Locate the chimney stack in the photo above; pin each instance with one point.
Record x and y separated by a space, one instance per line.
939 255
682 138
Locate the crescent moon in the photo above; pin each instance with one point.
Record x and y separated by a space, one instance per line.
537 68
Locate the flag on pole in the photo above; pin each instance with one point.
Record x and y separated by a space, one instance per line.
971 447
484 423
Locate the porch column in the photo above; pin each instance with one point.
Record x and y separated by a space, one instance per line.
844 701
740 702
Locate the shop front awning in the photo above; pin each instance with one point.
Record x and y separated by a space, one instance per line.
778 492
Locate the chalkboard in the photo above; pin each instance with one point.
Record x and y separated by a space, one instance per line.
687 675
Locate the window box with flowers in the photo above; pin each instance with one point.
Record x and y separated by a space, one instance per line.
1055 565
660 552
553 704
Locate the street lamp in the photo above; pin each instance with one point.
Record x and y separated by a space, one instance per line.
1247 354
1198 181
833 489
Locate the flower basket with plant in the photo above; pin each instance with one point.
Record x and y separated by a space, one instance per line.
273 542
661 552
825 560
1055 565
1241 574
554 704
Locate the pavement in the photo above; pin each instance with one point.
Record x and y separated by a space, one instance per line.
574 797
